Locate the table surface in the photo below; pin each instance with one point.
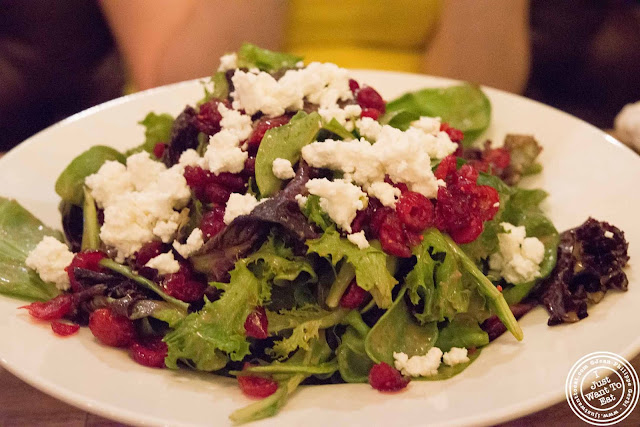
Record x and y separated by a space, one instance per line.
23 405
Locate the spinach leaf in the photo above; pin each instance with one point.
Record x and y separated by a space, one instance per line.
397 331
445 372
336 128
353 362
283 142
90 225
20 233
462 331
71 181
400 119
157 129
464 107
220 88
370 264
318 353
252 56
208 338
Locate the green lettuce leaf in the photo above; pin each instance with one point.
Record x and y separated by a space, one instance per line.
71 181
439 285
276 264
462 331
208 338
157 129
284 142
370 264
252 56
315 214
20 233
464 107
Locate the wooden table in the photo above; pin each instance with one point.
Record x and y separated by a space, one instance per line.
23 405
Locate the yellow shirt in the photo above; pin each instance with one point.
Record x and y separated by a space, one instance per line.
378 34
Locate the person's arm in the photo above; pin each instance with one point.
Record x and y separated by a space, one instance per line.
165 41
485 42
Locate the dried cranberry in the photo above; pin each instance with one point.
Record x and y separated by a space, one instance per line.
377 218
209 117
413 238
212 222
257 387
469 232
89 260
415 211
353 297
353 86
262 126
182 286
256 325
383 377
447 166
454 134
368 97
158 149
54 309
111 329
392 237
149 352
498 158
249 167
230 181
64 329
371 113
147 252
488 201
196 177
216 193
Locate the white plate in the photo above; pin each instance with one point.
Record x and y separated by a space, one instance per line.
585 171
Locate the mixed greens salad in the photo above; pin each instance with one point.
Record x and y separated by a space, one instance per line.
294 228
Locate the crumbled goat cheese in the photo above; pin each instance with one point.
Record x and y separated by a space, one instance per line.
302 200
419 366
49 259
427 124
519 258
369 128
359 240
608 234
193 244
191 157
322 84
239 204
137 212
282 169
340 199
627 125
385 192
228 62
455 356
164 263
111 181
224 153
404 156
345 116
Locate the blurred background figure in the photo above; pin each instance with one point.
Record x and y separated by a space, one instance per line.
58 57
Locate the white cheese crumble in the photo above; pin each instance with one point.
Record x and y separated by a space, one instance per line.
345 116
194 242
519 258
283 169
404 156
358 239
191 157
385 192
369 128
239 204
49 259
627 125
455 356
138 207
419 366
224 153
608 234
164 263
428 124
228 62
340 199
302 200
322 84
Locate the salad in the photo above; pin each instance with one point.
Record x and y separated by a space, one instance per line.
292 227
